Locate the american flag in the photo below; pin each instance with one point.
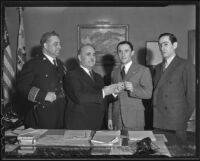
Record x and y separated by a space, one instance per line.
8 69
21 52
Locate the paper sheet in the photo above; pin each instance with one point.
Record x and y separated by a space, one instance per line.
139 135
77 134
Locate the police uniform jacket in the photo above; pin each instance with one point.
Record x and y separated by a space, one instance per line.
38 77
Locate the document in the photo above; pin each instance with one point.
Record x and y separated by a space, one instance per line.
106 138
31 134
161 137
139 135
77 134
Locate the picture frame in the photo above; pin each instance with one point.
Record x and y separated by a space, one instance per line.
153 54
191 45
104 38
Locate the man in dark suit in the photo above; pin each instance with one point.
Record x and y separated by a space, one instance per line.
174 89
85 93
40 83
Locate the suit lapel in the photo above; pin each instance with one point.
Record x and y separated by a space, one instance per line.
118 75
132 71
85 76
159 71
166 75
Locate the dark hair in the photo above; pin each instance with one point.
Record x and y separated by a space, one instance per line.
172 37
125 42
46 36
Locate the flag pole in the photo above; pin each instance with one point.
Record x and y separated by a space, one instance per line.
21 53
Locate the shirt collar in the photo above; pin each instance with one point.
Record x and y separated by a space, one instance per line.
85 69
49 58
127 66
169 60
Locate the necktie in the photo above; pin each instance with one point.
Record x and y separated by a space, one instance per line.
164 65
123 72
91 74
55 63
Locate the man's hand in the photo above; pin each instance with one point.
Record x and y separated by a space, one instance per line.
51 96
110 125
120 87
110 89
128 86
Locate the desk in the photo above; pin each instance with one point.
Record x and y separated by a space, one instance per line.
126 150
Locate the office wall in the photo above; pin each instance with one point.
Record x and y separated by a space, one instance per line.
145 24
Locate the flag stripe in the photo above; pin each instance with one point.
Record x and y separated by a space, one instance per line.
7 81
8 70
8 66
7 73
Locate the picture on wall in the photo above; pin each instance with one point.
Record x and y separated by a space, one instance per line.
153 54
104 38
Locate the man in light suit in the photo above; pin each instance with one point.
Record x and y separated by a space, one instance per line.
174 89
85 93
134 84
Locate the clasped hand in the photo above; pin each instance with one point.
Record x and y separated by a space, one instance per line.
51 96
124 86
118 87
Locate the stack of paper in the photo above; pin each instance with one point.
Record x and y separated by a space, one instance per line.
29 136
106 138
26 149
139 135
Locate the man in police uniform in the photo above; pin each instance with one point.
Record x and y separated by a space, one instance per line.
41 84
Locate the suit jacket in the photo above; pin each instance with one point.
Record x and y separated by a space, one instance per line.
130 103
38 77
85 109
174 94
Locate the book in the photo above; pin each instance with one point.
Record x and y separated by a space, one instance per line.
30 136
106 138
139 135
26 150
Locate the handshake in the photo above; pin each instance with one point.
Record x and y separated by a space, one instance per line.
118 87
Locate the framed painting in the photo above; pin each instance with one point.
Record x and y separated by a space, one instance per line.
104 38
153 54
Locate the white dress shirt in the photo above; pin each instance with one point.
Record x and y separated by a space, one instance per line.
127 66
168 61
49 58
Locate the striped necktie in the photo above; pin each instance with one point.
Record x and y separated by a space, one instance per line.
164 65
91 74
123 72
